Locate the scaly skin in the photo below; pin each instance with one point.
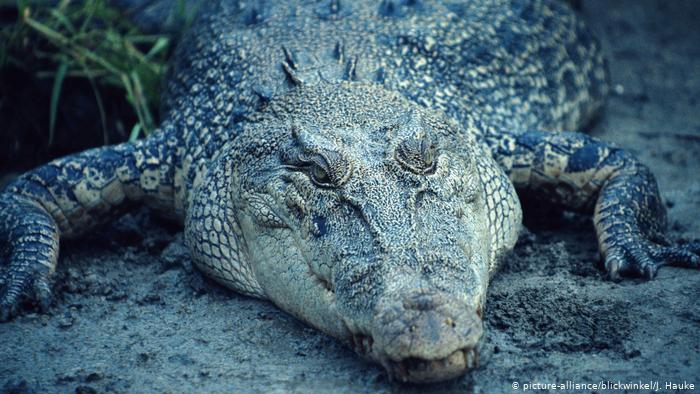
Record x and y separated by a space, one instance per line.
356 164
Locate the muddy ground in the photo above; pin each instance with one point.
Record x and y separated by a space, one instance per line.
129 317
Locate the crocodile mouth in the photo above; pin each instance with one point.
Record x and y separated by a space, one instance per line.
417 370
420 370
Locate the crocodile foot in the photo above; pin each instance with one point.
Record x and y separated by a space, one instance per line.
643 258
29 248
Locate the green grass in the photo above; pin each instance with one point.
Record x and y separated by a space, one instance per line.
90 40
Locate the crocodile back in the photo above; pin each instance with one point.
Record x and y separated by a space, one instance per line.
491 64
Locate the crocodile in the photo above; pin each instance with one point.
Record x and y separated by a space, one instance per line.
359 164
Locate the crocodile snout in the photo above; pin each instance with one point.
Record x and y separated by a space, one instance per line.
424 336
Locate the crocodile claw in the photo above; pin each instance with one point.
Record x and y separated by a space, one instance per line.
14 288
644 259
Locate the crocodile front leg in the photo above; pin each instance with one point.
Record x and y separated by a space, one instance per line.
577 172
70 196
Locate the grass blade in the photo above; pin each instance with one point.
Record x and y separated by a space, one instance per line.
22 7
135 132
142 103
160 44
55 96
65 43
98 100
63 20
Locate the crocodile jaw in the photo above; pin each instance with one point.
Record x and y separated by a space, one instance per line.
417 370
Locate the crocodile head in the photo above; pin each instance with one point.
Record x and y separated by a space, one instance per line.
363 214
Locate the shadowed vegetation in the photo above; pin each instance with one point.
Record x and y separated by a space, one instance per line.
75 70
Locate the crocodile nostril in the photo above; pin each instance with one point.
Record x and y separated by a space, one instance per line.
422 302
425 324
419 198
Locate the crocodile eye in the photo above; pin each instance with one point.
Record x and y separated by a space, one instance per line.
316 167
417 154
325 167
319 175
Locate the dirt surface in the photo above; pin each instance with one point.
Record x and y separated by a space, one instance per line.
130 316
